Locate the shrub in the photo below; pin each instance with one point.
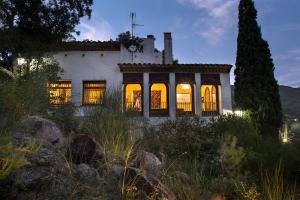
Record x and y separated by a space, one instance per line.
64 117
27 94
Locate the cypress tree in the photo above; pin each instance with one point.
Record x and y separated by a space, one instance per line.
256 88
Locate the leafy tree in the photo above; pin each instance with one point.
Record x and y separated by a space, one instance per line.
256 88
29 28
127 40
27 93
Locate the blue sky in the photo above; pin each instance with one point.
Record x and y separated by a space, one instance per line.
204 31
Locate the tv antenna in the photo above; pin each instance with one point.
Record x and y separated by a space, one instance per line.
133 24
133 48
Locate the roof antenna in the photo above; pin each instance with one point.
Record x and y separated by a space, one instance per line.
133 24
132 47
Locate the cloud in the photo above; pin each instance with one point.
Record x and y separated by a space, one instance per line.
288 67
219 19
95 30
289 55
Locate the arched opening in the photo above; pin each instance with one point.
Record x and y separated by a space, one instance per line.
133 97
184 98
158 99
209 96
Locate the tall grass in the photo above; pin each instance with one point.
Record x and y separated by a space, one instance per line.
13 157
274 187
116 131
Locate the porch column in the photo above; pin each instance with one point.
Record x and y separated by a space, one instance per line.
146 94
198 105
172 95
225 94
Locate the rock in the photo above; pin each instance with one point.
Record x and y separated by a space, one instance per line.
117 170
40 129
152 187
48 175
85 149
150 163
87 174
183 178
39 169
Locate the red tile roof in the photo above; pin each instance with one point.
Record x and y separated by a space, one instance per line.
149 67
90 46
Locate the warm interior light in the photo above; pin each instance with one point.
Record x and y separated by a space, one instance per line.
184 96
133 93
209 98
159 96
93 92
60 92
185 86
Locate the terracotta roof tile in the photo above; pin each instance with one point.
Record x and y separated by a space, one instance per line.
90 46
150 67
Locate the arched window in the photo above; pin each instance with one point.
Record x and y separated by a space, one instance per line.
159 96
133 97
184 98
207 99
209 94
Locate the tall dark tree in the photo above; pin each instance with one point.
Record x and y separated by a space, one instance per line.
30 27
256 88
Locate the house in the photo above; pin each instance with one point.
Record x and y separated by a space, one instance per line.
154 86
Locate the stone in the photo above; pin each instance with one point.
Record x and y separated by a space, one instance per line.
85 149
117 170
39 129
87 174
150 164
149 186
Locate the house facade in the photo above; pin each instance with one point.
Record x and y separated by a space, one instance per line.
153 85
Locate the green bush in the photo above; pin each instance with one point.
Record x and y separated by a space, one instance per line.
27 93
64 117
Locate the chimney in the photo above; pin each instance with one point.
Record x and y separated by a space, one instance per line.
168 52
149 44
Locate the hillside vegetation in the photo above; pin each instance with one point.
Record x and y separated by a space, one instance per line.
290 100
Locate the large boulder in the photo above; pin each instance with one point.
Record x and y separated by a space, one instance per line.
85 149
148 187
150 164
39 129
48 175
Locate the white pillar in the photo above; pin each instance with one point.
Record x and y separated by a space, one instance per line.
226 104
198 104
146 95
172 95
77 92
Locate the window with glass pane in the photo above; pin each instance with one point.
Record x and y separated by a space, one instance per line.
60 92
159 96
93 92
209 98
133 97
184 98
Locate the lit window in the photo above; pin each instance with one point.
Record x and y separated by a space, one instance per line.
184 98
209 98
60 92
133 97
159 96
93 92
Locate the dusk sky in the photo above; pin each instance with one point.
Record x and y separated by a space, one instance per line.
204 31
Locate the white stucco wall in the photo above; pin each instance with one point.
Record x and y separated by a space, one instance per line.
225 93
91 66
82 66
